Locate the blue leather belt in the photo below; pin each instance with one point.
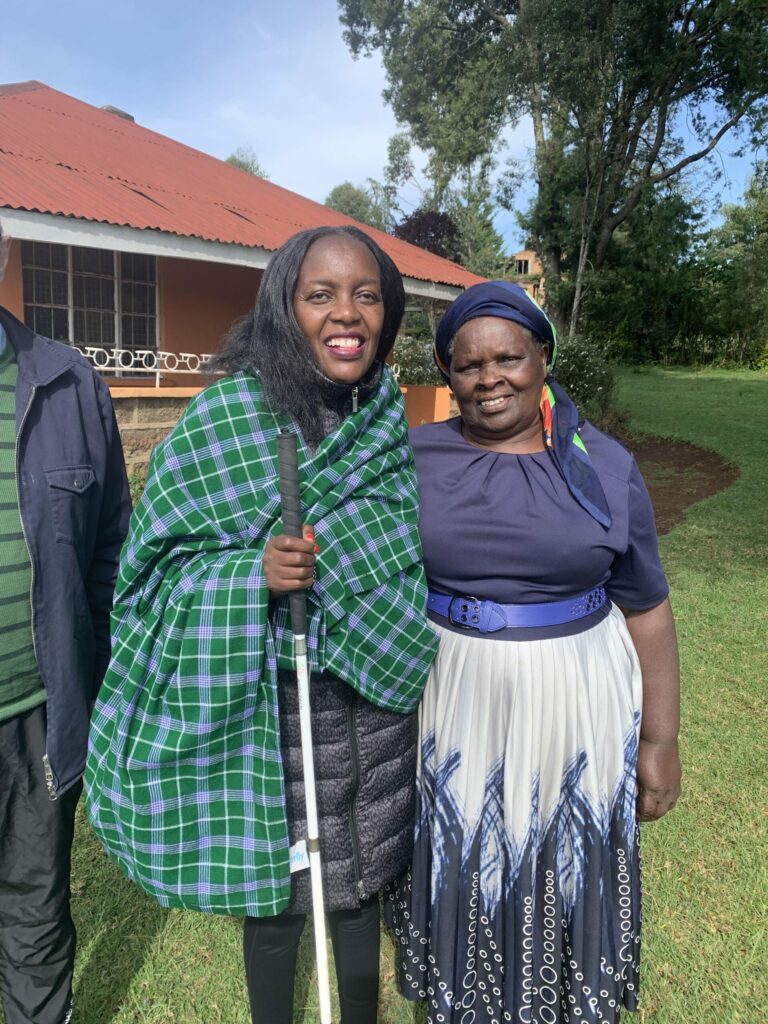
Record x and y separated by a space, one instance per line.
488 617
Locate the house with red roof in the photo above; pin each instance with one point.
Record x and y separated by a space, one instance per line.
139 249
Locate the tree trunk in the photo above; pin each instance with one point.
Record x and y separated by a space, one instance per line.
551 264
578 289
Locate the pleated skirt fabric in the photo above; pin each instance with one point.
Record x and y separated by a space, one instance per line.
523 900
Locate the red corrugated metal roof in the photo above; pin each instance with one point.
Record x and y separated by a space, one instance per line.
59 155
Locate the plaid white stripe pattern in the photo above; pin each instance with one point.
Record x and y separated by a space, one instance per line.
184 778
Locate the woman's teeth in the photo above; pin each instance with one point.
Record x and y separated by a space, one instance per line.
491 403
344 342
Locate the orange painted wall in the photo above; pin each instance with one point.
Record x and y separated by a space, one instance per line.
200 301
426 404
11 289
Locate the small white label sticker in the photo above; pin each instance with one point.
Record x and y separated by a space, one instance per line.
299 858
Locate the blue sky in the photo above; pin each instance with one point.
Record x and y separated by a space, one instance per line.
273 75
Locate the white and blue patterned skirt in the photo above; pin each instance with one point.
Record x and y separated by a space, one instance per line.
523 900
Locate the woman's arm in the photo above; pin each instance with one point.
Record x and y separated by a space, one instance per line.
658 762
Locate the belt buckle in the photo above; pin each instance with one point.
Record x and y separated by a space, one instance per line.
468 614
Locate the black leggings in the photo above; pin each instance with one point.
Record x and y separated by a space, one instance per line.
271 947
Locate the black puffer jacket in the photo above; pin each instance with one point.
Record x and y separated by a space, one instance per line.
365 767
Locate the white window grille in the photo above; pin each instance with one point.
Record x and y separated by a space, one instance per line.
116 362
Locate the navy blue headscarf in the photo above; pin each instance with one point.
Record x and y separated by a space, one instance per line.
560 416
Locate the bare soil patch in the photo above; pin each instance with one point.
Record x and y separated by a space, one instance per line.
678 475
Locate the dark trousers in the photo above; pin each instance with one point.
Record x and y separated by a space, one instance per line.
37 937
271 947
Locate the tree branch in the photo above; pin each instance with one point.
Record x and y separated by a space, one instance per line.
633 196
700 154
498 16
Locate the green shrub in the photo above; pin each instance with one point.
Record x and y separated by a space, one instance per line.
136 483
412 356
735 350
761 362
588 376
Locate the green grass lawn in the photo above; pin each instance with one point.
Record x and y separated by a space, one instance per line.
706 880
704 870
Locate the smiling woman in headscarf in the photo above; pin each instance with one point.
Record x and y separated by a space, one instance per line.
549 721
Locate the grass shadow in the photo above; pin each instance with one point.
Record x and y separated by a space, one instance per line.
117 926
305 999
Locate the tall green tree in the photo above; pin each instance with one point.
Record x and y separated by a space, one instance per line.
371 204
649 301
605 83
479 246
245 158
456 206
454 217
736 261
351 200
376 203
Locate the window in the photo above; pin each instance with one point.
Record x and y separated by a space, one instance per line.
46 289
138 290
521 267
90 296
93 297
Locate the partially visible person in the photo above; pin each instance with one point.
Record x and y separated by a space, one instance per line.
549 722
195 781
64 509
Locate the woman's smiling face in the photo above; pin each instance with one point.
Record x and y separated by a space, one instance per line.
497 374
338 305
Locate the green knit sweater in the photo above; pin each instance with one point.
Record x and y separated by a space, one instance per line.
21 686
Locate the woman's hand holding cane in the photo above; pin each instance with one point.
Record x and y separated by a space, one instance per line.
289 562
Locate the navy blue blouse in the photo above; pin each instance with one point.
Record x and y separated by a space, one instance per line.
505 528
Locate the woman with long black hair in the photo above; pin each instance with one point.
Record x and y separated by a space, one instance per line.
194 778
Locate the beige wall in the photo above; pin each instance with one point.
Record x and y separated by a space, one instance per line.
534 288
199 302
11 291
144 421
534 267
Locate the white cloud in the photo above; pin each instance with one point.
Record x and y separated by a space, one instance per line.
288 88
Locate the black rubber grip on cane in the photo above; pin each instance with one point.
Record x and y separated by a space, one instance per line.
290 504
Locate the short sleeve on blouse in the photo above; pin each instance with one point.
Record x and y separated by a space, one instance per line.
637 581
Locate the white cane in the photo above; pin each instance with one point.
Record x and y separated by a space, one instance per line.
288 466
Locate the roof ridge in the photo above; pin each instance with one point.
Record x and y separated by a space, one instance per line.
74 115
9 88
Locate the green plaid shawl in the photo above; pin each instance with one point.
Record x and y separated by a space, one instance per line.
184 779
